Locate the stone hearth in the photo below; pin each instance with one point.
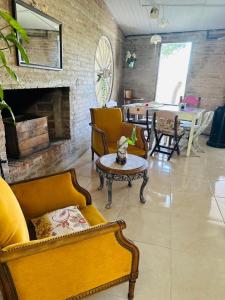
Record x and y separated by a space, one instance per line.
50 102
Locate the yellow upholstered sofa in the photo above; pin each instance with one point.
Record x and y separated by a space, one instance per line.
108 127
65 267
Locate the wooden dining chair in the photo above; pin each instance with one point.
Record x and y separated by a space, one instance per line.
139 115
166 124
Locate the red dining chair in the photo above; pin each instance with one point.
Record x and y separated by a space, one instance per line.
191 101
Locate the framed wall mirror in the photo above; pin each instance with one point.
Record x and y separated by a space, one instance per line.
45 37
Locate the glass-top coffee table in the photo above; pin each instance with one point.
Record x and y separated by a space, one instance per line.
136 167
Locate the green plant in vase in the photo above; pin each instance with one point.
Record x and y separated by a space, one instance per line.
8 40
122 146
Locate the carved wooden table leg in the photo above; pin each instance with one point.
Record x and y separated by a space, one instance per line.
145 181
101 182
129 183
109 184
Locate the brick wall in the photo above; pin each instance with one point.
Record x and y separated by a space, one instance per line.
84 21
206 69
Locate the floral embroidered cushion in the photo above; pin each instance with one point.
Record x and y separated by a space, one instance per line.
59 222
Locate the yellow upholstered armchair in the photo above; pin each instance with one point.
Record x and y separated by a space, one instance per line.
65 267
107 128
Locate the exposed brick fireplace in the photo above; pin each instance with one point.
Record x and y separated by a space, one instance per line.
50 102
82 29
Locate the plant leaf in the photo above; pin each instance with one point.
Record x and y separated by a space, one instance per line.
3 58
11 73
13 39
13 23
1 92
2 37
4 105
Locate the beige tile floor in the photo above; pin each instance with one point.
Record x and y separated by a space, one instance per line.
180 230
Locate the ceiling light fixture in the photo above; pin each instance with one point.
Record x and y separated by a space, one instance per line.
154 12
163 22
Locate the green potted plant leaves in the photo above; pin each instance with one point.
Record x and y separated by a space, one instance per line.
9 40
122 146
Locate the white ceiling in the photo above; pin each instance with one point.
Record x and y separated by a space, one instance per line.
183 15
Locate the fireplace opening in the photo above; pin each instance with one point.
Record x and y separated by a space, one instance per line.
42 116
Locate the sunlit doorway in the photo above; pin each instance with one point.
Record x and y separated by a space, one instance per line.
172 73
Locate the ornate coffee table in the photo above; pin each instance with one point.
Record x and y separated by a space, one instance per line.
135 168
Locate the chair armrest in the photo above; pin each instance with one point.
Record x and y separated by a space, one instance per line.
71 265
98 140
17 251
141 141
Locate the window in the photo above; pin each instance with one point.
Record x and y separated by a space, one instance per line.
172 73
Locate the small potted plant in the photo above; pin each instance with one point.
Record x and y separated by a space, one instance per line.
130 59
122 146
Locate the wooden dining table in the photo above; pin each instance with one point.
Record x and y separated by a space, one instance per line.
192 114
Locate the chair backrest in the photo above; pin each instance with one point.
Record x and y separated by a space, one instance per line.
111 103
191 101
52 192
128 93
13 227
205 122
108 120
164 121
138 110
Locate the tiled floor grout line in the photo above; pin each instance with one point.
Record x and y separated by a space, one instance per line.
215 197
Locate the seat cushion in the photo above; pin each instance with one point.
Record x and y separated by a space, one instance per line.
131 149
13 228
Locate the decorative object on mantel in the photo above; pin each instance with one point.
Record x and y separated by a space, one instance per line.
122 146
40 6
103 71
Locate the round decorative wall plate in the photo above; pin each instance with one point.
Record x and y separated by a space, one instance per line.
103 71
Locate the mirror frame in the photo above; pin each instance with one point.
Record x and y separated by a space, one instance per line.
19 62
